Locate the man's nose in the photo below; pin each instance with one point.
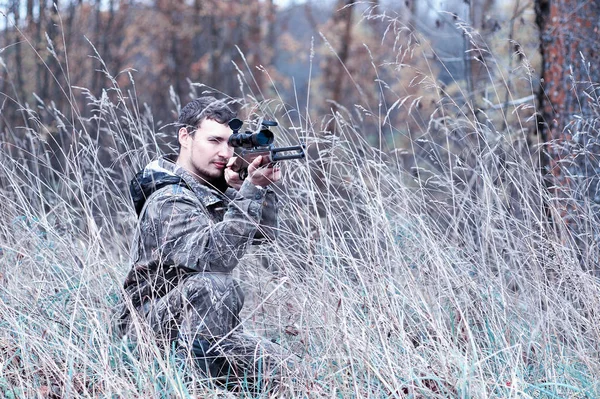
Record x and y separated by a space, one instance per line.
225 151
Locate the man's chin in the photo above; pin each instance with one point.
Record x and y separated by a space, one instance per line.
212 177
218 181
219 175
213 174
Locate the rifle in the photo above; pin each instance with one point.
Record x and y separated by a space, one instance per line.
259 143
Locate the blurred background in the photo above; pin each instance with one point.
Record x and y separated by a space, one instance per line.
340 52
398 75
390 69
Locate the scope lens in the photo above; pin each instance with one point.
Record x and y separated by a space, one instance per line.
264 137
235 124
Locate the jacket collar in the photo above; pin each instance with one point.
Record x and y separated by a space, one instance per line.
205 194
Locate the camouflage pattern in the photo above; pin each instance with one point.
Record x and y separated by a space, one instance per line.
189 240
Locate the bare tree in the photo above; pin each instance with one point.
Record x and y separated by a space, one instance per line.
569 112
334 68
29 13
475 71
20 92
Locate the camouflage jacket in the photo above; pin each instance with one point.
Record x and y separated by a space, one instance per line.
185 228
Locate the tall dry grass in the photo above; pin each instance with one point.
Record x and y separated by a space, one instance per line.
431 271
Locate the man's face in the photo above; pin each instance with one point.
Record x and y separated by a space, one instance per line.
206 153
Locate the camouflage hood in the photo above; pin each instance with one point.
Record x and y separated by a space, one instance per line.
156 175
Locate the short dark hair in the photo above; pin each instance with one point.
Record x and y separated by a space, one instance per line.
196 111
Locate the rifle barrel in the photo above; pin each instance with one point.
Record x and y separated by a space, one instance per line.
276 156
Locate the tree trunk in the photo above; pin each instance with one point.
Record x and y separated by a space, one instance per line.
107 44
180 47
41 72
334 71
96 82
476 74
53 62
20 90
568 105
29 11
254 44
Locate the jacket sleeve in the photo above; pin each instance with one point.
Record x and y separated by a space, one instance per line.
268 228
188 237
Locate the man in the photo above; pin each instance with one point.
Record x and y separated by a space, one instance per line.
196 219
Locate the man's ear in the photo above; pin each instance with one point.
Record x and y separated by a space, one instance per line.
184 137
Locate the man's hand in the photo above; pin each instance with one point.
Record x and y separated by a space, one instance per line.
259 174
232 174
263 175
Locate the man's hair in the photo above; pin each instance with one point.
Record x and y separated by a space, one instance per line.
195 112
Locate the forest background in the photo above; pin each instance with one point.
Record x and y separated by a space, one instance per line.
440 239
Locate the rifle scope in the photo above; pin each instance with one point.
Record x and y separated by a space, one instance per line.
248 139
